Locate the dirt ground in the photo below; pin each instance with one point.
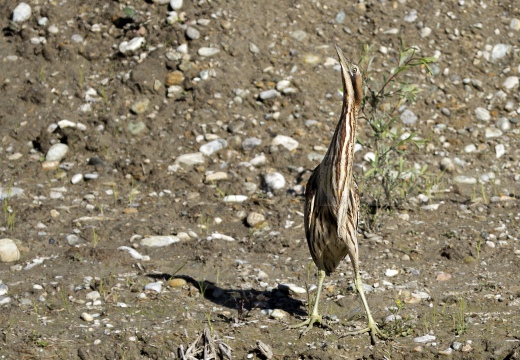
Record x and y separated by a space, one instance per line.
132 114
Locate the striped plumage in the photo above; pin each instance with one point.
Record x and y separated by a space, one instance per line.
332 198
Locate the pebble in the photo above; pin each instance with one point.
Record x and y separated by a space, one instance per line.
482 114
278 314
77 178
411 16
510 83
132 45
159 241
87 317
492 132
235 198
425 32
424 339
216 176
500 150
155 286
456 346
515 24
22 12
285 141
213 146
504 124
443 276
430 207
254 49
470 148
258 160
462 179
447 165
340 17
268 94
292 288
499 51
93 295
218 236
176 4
391 272
254 219
74 240
392 318
57 152
274 181
4 289
6 300
408 117
299 35
311 59
192 33
10 192
8 251
448 351
207 51
250 143
190 159
174 78
140 106
134 253
177 282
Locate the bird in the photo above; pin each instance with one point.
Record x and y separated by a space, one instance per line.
332 200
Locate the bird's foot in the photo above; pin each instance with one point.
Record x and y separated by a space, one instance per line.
372 329
309 323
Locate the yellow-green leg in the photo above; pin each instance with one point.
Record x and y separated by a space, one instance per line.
315 317
372 326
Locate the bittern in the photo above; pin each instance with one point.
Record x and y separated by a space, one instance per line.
332 200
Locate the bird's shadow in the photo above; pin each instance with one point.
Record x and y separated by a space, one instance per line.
242 300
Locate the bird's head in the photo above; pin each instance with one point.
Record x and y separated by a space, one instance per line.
352 80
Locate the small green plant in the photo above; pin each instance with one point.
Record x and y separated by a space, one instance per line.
115 193
478 246
42 75
399 325
133 192
460 324
81 77
95 237
389 178
103 94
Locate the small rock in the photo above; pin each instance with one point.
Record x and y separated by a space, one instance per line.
268 94
133 253
250 143
482 114
177 282
504 124
391 272
190 159
22 12
192 33
87 317
176 4
278 314
291 288
4 289
93 295
254 218
235 198
174 78
340 17
515 24
299 35
510 83
392 318
132 45
425 32
207 52
500 150
258 160
424 339
470 148
57 152
447 165
490 132
443 277
456 346
216 176
9 192
462 179
155 286
50 165
285 141
213 146
76 178
254 49
499 51
411 16
159 241
282 84
140 106
408 117
8 251
274 181
448 351
311 59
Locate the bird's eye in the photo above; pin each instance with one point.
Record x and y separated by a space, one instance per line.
354 69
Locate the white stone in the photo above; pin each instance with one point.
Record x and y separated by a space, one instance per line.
425 32
93 295
462 179
190 159
22 12
492 132
278 314
499 51
515 24
76 178
57 152
159 241
176 4
500 150
482 114
268 94
87 317
9 192
155 286
504 124
282 84
207 51
132 45
430 207
8 251
213 146
275 181
369 156
254 219
235 198
510 82
408 117
287 142
391 272
470 148
292 288
258 160
134 253
424 339
218 236
66 123
216 176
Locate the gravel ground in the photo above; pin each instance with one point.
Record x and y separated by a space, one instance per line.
153 158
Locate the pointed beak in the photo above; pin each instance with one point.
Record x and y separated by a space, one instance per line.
345 64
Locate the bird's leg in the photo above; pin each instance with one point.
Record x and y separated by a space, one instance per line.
315 317
372 326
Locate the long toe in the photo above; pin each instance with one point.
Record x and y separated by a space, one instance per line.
309 323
